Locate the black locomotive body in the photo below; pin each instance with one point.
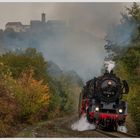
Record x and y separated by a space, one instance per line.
101 101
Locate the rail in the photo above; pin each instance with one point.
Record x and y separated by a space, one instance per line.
117 134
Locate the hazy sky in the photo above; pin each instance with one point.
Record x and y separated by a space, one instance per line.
95 17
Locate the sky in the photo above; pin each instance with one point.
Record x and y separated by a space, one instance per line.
83 50
96 16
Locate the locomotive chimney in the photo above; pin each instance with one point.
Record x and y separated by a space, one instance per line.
111 72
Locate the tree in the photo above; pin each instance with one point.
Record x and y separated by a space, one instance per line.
24 60
134 12
126 32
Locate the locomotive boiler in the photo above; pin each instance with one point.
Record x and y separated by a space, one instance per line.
101 101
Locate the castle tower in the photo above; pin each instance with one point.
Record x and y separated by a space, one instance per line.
43 18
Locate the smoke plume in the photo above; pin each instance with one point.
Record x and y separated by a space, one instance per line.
121 35
76 50
82 49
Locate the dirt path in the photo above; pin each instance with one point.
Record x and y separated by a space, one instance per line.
60 128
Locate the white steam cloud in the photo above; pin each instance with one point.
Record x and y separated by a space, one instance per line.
109 65
82 124
122 129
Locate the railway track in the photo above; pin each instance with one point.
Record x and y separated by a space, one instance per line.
117 134
61 128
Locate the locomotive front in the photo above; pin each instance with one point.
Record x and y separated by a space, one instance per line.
102 101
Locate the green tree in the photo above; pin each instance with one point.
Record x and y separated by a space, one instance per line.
24 60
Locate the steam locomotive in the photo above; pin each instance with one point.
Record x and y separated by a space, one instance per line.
101 101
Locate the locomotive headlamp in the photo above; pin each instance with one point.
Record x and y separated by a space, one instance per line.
96 108
120 110
109 82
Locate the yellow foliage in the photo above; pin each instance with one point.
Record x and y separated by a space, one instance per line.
32 95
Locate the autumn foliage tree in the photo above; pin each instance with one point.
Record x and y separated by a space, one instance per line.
32 95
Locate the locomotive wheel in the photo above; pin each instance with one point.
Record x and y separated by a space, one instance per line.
109 128
101 127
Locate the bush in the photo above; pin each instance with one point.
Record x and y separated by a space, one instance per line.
32 95
21 100
9 107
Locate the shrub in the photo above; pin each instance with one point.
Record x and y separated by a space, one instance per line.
32 95
9 107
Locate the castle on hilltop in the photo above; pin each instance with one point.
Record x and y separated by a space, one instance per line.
34 24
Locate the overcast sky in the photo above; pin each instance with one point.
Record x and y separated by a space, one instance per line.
95 17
